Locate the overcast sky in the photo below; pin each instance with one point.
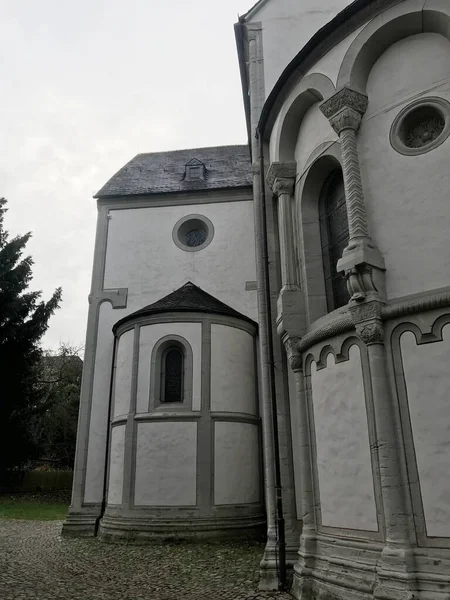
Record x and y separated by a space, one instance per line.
87 85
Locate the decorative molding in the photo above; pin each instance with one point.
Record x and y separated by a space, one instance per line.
430 301
343 324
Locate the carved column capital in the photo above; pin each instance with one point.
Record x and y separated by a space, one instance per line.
344 99
368 322
281 177
346 118
294 356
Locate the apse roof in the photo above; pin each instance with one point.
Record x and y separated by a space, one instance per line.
164 172
188 298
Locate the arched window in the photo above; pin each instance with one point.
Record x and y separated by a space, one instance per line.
172 375
334 237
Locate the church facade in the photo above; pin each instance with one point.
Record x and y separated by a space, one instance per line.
268 343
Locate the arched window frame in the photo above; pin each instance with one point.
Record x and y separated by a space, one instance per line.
163 384
157 374
333 243
325 159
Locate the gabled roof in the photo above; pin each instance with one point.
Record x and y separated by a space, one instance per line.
163 172
188 298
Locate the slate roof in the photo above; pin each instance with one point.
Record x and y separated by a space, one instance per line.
164 172
188 298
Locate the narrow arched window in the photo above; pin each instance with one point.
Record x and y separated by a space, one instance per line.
172 374
334 237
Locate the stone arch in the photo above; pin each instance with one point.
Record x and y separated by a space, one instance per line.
310 90
308 239
406 19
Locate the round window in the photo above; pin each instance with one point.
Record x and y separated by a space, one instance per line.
421 126
193 233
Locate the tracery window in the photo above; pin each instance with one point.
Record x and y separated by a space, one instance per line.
334 238
172 373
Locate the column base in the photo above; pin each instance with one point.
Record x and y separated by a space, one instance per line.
269 566
82 522
146 525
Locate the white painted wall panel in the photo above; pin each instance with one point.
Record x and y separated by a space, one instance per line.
123 373
236 463
287 26
233 379
314 129
150 335
427 377
407 196
116 465
100 404
166 464
344 468
142 256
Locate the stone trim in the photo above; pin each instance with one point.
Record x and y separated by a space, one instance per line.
176 199
425 333
187 317
342 323
441 105
340 349
118 300
193 217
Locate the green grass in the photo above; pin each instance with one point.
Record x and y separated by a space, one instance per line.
39 507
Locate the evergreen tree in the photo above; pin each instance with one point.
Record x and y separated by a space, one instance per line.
23 321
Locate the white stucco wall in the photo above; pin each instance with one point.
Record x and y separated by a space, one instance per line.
166 464
236 463
142 256
100 404
407 196
150 335
330 64
287 26
314 130
122 378
346 489
116 464
427 377
233 378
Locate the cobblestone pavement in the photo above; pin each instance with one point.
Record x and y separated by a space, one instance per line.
36 563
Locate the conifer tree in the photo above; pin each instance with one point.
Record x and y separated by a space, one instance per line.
23 321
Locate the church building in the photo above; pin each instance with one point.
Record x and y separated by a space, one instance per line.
268 339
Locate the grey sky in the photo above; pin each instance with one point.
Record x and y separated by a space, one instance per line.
86 86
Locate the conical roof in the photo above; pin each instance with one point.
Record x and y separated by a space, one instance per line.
188 298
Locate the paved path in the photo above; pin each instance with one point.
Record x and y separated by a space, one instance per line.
36 563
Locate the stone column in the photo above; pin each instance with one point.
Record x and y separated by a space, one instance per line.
290 304
307 547
363 267
345 110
